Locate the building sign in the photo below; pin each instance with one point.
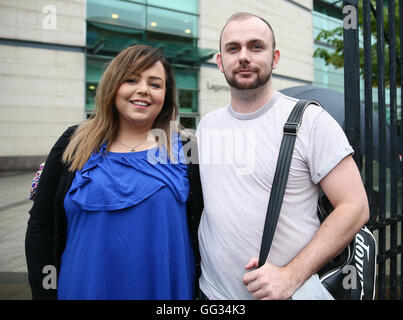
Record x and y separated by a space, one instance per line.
217 87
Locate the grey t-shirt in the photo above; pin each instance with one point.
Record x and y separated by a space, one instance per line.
238 156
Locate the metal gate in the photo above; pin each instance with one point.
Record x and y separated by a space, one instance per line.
383 179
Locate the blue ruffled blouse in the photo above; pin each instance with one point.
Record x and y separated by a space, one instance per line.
127 233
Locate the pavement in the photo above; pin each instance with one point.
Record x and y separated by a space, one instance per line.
14 207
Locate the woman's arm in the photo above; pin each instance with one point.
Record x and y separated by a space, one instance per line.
39 240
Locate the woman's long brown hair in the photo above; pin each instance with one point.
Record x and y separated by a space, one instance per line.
103 127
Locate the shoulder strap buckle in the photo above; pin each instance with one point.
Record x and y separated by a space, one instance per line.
291 128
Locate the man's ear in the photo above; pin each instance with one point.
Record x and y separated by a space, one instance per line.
219 62
276 59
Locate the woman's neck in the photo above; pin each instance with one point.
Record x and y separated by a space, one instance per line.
135 138
132 134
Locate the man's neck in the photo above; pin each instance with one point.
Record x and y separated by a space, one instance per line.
251 100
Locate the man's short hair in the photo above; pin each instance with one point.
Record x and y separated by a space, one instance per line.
245 15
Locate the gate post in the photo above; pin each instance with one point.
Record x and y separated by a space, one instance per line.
352 83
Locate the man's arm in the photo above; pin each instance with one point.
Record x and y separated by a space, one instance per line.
344 188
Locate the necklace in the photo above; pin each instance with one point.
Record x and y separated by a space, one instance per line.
132 149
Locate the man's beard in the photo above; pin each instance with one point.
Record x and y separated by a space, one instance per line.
260 80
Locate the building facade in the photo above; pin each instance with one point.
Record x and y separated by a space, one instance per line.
53 53
42 76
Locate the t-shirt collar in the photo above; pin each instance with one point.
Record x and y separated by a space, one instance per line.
257 113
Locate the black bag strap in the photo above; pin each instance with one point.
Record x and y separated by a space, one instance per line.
290 131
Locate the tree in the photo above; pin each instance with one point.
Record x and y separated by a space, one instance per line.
334 39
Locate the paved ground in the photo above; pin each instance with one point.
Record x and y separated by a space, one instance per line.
14 207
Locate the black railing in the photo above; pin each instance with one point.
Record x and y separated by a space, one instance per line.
386 220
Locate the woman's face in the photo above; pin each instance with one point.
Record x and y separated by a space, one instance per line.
140 98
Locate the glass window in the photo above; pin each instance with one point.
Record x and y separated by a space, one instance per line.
167 21
329 7
187 100
95 68
189 122
138 1
108 40
178 50
187 85
91 88
326 76
191 6
186 78
117 12
324 22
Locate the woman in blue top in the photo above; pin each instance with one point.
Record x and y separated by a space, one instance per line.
125 231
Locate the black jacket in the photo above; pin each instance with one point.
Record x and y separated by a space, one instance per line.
46 232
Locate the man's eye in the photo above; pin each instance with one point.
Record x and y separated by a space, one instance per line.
231 49
257 47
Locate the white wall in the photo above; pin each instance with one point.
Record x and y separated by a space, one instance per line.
42 86
33 20
42 92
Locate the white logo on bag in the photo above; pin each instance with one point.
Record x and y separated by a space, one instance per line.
360 250
350 281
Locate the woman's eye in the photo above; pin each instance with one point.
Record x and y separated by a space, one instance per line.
155 85
131 81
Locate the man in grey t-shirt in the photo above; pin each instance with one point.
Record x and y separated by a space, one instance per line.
238 149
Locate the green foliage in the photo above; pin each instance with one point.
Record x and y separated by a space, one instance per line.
334 39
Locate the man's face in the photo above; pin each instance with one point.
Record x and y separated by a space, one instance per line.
247 53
